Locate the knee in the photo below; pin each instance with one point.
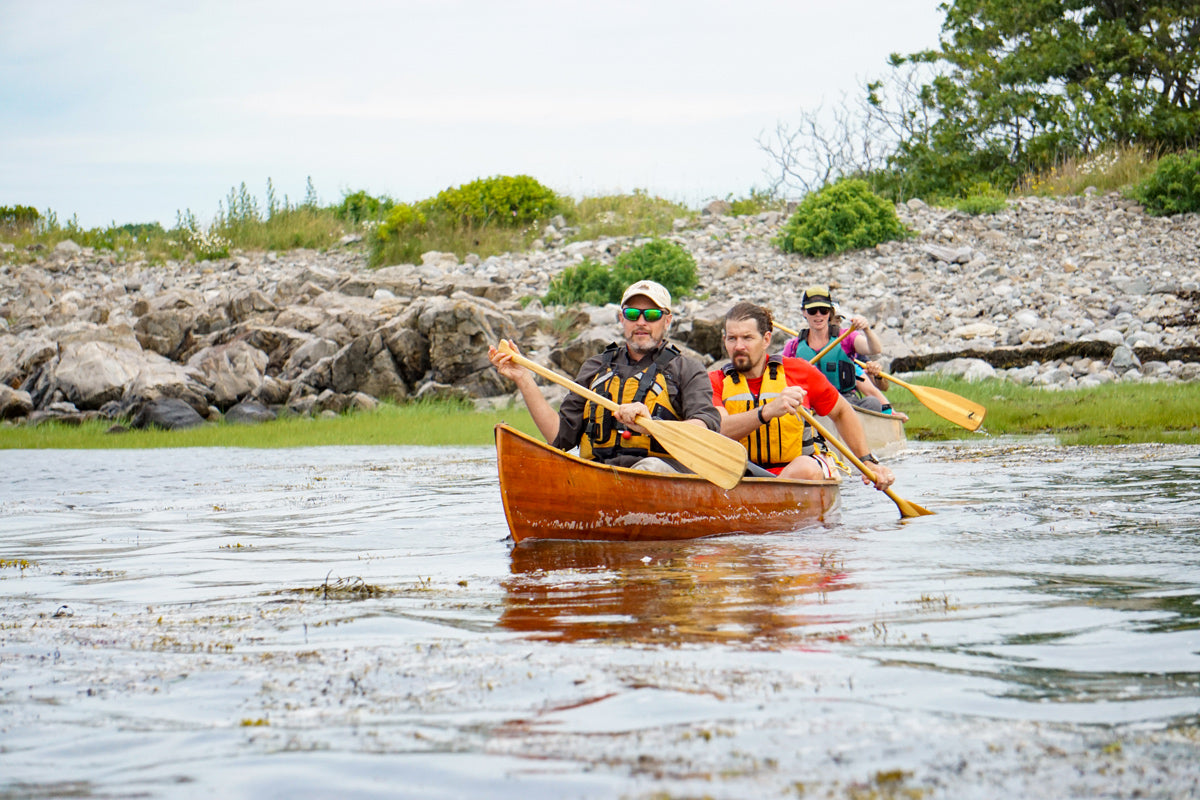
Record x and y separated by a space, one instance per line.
803 468
652 464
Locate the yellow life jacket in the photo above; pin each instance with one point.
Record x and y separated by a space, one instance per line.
780 440
602 439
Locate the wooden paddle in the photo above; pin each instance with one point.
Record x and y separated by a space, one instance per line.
716 458
947 405
828 347
907 509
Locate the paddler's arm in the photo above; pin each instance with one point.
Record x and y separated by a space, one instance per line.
850 431
742 424
544 415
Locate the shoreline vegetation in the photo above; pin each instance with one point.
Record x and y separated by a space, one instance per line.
464 220
1114 414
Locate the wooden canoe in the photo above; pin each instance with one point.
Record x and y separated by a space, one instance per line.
885 433
549 494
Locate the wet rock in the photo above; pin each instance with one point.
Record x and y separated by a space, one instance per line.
169 413
249 412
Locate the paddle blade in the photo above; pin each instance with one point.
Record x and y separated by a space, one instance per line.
907 507
714 457
949 406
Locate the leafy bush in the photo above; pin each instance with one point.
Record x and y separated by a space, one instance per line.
591 282
843 216
402 220
400 237
587 282
658 260
208 245
758 202
503 200
1173 187
359 207
18 219
982 198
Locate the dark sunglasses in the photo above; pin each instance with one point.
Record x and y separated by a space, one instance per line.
651 314
823 310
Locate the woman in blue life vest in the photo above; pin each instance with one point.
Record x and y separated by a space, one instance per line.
838 364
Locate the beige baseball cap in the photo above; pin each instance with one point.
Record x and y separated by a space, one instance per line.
657 293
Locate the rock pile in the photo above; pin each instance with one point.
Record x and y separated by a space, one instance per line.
1064 292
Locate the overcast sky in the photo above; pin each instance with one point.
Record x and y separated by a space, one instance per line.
131 111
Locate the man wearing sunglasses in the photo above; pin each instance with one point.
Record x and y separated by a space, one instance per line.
643 374
758 395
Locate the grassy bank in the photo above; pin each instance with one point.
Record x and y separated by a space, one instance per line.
1115 414
415 424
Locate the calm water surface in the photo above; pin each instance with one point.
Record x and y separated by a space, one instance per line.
352 621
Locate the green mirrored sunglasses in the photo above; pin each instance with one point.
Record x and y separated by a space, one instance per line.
651 314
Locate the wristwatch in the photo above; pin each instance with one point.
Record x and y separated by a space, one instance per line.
869 457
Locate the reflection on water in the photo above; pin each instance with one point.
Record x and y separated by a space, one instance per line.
721 590
165 632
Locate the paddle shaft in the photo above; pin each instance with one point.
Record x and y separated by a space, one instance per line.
551 375
825 350
907 509
947 405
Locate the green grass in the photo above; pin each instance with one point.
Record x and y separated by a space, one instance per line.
1113 414
414 424
637 214
1112 169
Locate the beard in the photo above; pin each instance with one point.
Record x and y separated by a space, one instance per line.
643 347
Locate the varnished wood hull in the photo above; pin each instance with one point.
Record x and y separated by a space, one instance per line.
885 433
549 494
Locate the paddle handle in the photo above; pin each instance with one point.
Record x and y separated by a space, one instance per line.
891 378
551 375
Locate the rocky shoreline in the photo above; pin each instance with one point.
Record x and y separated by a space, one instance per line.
1058 293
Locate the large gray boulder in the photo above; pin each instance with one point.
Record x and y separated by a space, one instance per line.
169 413
231 370
367 365
459 330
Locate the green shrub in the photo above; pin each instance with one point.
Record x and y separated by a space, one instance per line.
658 260
843 216
506 201
587 282
591 282
758 202
1173 187
359 207
18 219
982 198
400 237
